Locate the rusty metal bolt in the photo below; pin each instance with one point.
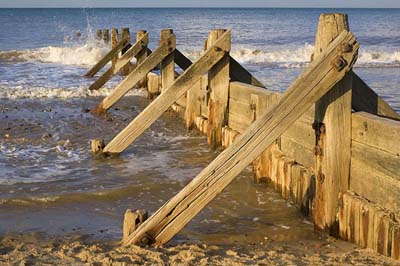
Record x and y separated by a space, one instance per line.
217 49
346 48
339 63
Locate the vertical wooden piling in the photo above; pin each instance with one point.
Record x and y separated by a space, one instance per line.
125 35
168 64
333 132
99 34
218 81
114 42
106 36
141 56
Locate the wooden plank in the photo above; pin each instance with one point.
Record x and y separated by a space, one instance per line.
123 61
193 108
241 91
238 123
241 109
375 175
378 132
334 137
106 36
238 73
167 64
311 85
156 108
218 82
365 99
109 56
99 33
134 77
297 151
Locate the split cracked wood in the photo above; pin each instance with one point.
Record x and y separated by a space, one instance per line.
125 59
137 75
155 109
311 85
108 57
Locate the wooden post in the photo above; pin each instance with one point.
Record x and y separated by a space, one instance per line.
311 85
135 76
141 56
168 64
106 36
124 60
125 35
156 108
99 34
153 85
114 42
333 133
218 81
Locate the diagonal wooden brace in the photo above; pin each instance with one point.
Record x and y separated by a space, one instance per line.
125 59
108 57
163 50
310 86
155 109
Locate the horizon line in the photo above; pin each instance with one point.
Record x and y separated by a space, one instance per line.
195 7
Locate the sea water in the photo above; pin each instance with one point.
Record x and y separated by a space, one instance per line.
50 182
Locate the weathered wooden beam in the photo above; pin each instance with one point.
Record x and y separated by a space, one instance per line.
333 132
109 56
218 82
167 64
156 108
99 34
114 43
141 56
153 85
125 35
312 84
123 61
138 74
238 73
106 36
365 99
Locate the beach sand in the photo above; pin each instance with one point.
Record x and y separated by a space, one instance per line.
39 249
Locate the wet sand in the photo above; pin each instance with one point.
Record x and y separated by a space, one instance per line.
61 206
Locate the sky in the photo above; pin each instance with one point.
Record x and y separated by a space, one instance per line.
202 3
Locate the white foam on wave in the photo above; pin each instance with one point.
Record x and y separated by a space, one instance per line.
72 54
300 57
21 92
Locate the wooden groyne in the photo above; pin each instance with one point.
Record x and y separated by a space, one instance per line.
329 144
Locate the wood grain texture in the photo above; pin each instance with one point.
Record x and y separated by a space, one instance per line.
134 77
114 43
377 132
125 59
168 63
334 137
155 109
218 82
312 84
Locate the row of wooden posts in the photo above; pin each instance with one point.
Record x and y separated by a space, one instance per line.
271 131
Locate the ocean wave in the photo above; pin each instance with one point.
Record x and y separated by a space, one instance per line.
90 53
300 57
74 54
21 92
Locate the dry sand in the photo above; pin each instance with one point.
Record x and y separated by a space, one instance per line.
38 249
